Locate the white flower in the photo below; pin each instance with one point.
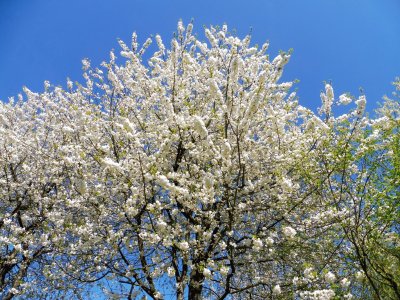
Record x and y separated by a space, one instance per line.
269 241
214 90
318 295
207 273
348 296
128 126
85 64
110 164
44 239
164 182
222 245
329 91
70 84
345 282
181 29
344 99
68 129
257 244
289 232
171 271
14 291
327 99
361 102
161 225
184 246
200 127
360 276
160 43
226 150
308 273
224 270
330 277
276 290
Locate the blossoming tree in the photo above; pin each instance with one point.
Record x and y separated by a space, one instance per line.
193 174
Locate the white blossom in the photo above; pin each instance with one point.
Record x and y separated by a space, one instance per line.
345 282
360 276
330 277
361 103
277 290
344 99
207 273
257 244
224 270
171 271
200 126
184 246
289 232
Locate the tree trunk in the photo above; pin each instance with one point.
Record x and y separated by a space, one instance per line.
196 285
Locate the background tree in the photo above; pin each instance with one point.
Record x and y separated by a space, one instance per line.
373 229
361 161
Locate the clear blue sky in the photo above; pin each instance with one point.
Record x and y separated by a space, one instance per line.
353 43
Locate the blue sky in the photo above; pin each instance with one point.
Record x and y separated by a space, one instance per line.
352 43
